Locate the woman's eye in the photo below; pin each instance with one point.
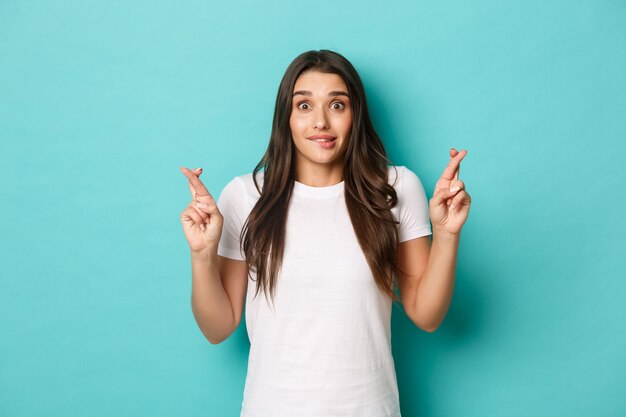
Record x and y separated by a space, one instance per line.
338 105
303 106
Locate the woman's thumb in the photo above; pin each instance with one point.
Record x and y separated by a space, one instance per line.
443 194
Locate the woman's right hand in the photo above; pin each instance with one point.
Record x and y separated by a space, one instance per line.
201 219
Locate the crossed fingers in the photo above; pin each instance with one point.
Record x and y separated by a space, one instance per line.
454 166
198 191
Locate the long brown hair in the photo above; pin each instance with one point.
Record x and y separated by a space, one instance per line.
369 197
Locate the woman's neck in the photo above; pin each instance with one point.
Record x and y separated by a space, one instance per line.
319 176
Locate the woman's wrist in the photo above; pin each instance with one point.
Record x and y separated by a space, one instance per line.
208 254
444 235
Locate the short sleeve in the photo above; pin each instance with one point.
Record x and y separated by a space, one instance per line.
232 204
412 208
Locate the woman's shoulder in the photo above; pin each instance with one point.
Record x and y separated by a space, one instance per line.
245 183
398 175
239 195
395 174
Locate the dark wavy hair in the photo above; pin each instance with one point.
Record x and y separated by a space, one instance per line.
369 197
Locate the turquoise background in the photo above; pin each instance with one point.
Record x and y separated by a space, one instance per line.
101 102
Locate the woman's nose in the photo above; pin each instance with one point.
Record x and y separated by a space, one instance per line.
321 121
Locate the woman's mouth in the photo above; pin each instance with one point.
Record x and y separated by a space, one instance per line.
325 141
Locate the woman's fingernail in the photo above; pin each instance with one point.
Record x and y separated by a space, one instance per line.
455 188
203 205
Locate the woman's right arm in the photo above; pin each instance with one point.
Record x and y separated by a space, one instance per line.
218 284
217 294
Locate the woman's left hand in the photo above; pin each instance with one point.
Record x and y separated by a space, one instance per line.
450 204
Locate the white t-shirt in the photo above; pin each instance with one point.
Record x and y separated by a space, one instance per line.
324 348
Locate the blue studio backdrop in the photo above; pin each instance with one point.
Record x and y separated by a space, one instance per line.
101 102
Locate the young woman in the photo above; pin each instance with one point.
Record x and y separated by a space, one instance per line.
311 242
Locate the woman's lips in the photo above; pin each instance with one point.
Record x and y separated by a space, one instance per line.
325 141
321 137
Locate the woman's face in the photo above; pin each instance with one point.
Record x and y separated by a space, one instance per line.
321 120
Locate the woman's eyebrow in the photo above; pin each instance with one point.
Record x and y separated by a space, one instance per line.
332 93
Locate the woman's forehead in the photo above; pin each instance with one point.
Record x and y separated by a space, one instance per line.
319 82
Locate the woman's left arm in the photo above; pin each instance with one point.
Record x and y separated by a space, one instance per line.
427 280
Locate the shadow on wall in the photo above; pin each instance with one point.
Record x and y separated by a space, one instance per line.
418 353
